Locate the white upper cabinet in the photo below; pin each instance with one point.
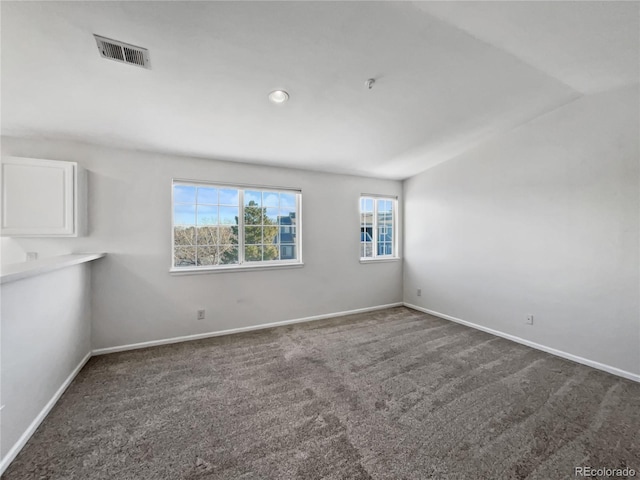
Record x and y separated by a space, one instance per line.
39 198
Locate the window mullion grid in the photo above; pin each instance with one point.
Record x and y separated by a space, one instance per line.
240 226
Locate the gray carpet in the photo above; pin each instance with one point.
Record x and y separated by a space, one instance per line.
394 394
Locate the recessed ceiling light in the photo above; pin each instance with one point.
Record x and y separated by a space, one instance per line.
278 96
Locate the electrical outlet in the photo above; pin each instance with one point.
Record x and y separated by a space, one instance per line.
419 292
200 314
529 319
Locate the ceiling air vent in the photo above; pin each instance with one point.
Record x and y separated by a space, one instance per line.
123 52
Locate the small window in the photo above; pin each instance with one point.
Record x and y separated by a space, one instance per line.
226 226
377 227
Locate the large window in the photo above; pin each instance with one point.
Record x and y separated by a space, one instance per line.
224 226
377 227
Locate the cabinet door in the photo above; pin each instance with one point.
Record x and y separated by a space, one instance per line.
38 197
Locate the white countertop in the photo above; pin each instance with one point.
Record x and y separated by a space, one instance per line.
18 271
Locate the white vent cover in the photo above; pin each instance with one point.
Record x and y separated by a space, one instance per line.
123 52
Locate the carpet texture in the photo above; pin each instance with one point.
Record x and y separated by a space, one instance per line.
393 394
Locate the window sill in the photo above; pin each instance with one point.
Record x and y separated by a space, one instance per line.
235 268
380 260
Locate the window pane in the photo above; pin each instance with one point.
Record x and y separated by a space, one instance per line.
288 201
184 256
228 196
253 253
270 235
366 219
207 195
228 215
207 235
366 249
207 215
386 249
270 199
184 235
286 217
366 205
270 252
228 235
252 197
184 194
252 235
253 215
271 216
184 214
228 254
287 235
288 252
208 256
384 234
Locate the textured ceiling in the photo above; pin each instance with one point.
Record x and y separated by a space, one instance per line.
448 76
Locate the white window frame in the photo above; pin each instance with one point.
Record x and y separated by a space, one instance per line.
242 263
394 225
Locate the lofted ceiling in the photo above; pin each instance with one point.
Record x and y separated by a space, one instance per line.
449 75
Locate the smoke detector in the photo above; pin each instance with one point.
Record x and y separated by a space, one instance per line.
123 52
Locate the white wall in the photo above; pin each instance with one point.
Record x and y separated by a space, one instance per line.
135 299
45 336
543 221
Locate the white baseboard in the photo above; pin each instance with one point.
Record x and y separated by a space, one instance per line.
24 438
559 353
198 336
